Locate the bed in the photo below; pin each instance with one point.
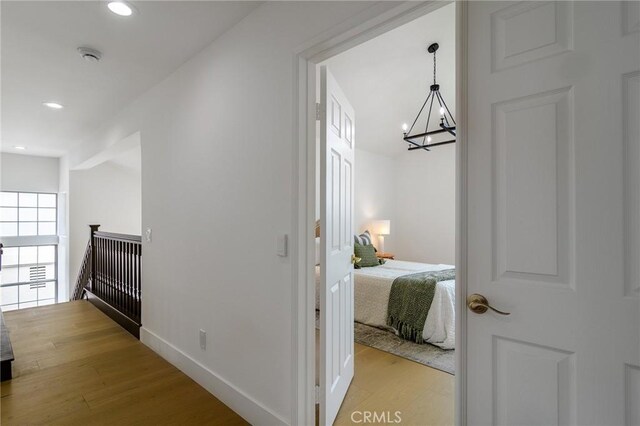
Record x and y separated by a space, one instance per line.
371 293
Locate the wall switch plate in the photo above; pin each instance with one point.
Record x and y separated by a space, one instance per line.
147 235
282 245
203 340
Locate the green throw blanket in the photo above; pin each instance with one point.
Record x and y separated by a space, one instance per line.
410 300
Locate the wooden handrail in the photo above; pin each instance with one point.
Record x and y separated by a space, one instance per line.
120 237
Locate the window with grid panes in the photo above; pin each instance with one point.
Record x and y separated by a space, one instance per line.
27 214
29 273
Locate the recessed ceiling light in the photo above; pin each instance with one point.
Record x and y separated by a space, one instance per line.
21 148
120 8
53 105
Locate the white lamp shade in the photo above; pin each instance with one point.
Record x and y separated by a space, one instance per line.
381 227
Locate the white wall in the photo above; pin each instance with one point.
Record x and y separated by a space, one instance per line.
425 206
29 173
375 193
217 189
417 193
107 195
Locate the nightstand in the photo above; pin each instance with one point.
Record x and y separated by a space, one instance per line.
385 255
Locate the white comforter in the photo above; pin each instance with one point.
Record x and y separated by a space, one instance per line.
373 285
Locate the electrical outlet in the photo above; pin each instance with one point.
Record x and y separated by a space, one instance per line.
147 235
203 340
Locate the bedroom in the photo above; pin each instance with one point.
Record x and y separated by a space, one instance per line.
403 203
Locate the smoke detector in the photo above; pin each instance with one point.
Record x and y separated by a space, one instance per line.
89 54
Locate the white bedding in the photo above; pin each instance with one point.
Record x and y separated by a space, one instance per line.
373 285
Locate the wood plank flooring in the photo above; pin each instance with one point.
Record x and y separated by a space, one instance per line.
386 383
74 366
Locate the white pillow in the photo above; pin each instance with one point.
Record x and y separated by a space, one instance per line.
363 239
317 251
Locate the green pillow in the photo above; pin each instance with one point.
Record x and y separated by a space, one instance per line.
367 255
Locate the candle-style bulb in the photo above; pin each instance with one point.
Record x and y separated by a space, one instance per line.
405 127
428 139
441 111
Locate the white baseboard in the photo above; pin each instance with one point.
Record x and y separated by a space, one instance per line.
248 408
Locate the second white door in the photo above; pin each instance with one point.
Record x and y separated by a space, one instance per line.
337 143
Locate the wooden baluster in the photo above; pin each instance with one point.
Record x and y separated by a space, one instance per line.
114 271
110 273
139 283
123 288
98 267
136 313
114 276
94 229
96 288
105 268
117 293
107 272
129 278
102 266
121 268
126 277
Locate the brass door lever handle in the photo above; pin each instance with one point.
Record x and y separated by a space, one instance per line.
479 304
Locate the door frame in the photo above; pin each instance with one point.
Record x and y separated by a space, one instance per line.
365 26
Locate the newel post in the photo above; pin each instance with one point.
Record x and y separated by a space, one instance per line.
94 229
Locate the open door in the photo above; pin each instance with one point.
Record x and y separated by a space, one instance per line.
553 213
336 236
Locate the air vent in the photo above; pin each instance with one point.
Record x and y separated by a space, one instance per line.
89 54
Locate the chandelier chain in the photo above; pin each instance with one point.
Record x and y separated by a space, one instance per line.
434 67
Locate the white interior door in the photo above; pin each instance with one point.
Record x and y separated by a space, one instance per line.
553 212
336 235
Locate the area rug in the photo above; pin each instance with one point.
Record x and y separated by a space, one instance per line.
386 341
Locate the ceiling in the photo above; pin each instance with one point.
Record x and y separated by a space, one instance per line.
40 62
387 79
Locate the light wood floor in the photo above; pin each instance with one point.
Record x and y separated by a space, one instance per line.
386 383
74 366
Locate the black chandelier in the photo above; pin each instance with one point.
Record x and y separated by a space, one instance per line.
447 125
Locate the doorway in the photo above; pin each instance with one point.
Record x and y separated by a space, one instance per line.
386 79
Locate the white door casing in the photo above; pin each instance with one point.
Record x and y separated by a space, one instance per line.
336 225
553 216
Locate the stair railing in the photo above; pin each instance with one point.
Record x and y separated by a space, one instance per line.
111 272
